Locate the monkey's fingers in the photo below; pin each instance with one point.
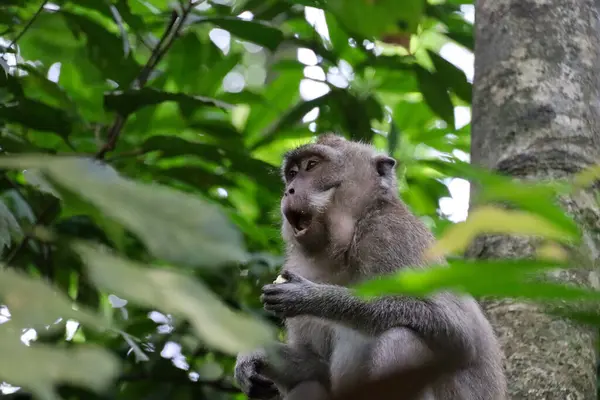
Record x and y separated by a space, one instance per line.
273 288
275 305
290 277
261 388
270 300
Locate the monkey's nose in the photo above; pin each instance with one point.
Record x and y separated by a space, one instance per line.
291 191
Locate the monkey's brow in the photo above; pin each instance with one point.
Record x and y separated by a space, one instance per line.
301 152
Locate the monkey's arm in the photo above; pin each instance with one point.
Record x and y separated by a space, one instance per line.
442 320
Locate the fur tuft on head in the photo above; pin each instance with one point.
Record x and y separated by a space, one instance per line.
331 140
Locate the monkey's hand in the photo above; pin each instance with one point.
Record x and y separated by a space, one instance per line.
247 373
297 296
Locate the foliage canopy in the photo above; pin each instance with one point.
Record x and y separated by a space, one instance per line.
139 191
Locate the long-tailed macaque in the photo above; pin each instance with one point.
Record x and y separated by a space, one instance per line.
343 222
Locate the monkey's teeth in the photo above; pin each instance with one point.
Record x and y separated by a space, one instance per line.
300 232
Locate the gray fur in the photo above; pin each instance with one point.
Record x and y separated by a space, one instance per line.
360 229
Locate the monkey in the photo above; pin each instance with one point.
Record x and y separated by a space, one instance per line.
343 222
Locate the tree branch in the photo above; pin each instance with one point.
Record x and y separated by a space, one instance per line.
175 24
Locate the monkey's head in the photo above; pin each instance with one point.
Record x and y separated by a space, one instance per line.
328 184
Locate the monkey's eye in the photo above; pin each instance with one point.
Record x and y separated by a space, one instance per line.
292 173
310 165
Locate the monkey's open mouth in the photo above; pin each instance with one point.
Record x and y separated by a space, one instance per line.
299 220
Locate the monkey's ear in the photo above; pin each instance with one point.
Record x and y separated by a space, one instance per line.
384 165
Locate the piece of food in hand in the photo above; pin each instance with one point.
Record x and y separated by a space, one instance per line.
280 279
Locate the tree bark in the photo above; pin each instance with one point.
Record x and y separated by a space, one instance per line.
536 115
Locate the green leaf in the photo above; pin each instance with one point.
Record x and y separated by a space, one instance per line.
174 146
258 32
452 77
186 51
175 226
587 177
9 227
35 304
127 102
464 39
290 118
393 138
356 113
4 67
222 131
435 95
104 49
119 21
11 83
40 368
212 76
37 87
494 220
376 18
215 323
50 41
497 278
280 95
194 176
536 198
36 115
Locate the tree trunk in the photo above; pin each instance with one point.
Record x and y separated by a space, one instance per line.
536 115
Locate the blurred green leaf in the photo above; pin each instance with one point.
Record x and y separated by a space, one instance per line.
194 176
173 146
37 87
587 177
127 102
40 368
536 198
435 95
35 304
502 278
373 19
218 325
452 77
393 138
119 21
9 227
257 32
175 226
292 117
489 219
36 115
104 49
464 39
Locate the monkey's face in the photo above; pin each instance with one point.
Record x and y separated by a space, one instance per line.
327 186
312 174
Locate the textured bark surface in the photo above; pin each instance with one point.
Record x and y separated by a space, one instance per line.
536 115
